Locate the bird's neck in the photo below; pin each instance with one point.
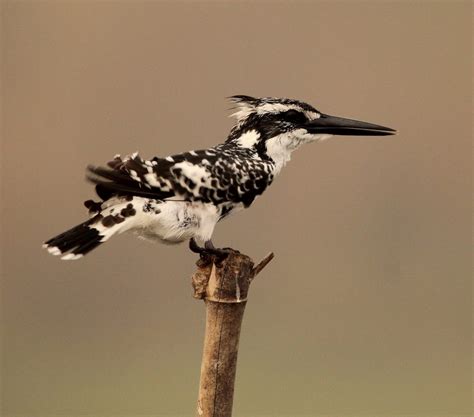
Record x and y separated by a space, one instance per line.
277 149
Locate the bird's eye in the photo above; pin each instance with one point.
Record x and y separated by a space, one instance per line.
293 116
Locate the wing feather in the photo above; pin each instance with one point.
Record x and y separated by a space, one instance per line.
214 175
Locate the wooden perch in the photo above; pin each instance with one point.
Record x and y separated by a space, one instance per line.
224 287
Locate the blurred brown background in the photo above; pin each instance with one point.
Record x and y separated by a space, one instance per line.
366 309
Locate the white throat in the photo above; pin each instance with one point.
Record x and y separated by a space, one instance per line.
280 147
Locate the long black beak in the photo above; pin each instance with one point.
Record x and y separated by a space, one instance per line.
339 126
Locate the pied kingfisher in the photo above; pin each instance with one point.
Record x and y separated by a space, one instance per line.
182 197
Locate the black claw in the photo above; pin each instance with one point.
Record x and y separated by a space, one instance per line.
195 247
209 250
209 245
230 250
220 254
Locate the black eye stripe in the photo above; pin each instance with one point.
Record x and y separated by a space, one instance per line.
293 116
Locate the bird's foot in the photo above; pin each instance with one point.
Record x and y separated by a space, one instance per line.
209 250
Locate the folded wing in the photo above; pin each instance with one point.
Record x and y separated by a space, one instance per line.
210 176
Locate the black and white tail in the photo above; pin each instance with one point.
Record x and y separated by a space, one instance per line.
108 218
75 242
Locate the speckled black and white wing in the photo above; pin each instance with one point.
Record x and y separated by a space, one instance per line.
217 175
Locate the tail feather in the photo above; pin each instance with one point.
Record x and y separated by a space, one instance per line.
110 217
78 241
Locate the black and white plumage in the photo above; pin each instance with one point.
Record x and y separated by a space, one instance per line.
184 196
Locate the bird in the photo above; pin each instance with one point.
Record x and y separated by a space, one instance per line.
182 197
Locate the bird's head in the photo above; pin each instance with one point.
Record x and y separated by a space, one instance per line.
277 126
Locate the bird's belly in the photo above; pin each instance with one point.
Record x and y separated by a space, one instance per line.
177 221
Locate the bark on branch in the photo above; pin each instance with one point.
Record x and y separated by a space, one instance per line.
224 288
